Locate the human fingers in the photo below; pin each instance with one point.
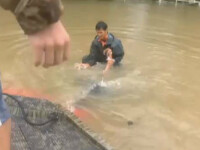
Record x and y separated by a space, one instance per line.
49 55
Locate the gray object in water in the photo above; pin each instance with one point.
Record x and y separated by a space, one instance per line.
98 89
68 133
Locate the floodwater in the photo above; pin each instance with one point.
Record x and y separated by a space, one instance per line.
151 102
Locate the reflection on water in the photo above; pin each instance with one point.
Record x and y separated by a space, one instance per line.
156 88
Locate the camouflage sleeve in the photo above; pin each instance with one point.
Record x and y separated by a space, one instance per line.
34 15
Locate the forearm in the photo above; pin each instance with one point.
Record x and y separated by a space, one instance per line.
89 59
110 60
109 64
34 15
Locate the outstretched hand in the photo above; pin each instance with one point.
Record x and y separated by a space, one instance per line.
51 46
81 66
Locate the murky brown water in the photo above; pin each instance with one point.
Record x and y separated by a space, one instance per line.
157 87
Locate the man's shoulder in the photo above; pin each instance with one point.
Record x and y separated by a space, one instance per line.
95 41
116 42
114 38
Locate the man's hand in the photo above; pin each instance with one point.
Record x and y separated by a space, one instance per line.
51 46
81 66
108 52
110 60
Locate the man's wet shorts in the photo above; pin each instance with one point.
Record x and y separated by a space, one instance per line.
4 112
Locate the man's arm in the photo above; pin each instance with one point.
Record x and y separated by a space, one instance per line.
90 60
110 60
114 56
40 21
118 51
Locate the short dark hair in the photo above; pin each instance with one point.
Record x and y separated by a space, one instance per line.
101 25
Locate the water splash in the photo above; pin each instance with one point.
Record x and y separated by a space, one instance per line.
100 88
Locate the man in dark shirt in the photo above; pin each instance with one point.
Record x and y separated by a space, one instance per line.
105 48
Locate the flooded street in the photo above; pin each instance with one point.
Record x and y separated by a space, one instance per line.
151 102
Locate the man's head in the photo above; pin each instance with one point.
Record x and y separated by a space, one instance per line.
101 29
